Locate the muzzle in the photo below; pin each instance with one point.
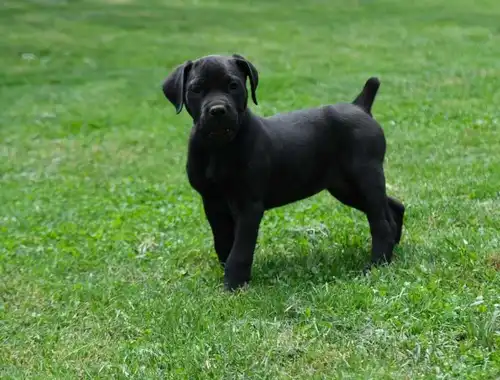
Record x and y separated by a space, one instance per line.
219 122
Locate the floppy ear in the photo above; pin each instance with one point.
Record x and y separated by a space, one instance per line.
174 85
250 71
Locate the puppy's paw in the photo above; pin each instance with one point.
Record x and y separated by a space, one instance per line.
367 269
232 286
383 261
235 279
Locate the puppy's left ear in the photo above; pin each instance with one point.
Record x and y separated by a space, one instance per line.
250 71
174 85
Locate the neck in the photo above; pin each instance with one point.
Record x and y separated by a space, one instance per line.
244 118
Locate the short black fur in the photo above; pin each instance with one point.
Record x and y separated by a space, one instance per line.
242 164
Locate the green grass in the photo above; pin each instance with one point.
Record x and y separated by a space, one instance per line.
106 262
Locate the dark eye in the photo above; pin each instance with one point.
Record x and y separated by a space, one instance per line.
233 85
195 89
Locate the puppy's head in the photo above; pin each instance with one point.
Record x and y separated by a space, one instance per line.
213 91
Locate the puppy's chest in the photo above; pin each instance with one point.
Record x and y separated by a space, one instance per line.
225 173
217 170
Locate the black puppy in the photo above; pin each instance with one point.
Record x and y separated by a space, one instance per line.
242 164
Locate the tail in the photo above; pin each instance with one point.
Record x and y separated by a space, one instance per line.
366 97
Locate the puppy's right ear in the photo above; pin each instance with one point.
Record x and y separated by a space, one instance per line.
174 85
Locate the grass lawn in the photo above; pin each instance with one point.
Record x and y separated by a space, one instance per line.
107 268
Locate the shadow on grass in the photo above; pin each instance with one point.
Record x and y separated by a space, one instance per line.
342 262
317 266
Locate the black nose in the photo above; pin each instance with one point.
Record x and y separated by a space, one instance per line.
218 110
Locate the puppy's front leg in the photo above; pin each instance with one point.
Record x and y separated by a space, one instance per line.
222 224
239 263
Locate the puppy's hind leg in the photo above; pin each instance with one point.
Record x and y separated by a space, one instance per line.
348 194
368 194
398 210
351 194
371 183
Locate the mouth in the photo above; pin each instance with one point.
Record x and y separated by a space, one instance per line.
220 133
221 136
